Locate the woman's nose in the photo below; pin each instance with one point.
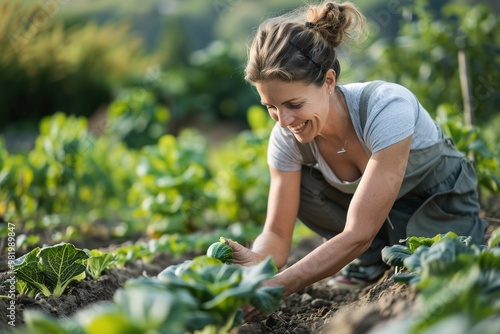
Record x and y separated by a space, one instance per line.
284 118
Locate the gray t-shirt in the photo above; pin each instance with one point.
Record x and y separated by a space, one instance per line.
393 114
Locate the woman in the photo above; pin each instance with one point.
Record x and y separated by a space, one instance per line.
362 164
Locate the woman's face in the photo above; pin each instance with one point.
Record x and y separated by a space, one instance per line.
302 108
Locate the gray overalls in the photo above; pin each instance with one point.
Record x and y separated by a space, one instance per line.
438 195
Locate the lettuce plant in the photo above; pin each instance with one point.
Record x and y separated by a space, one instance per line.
453 276
99 261
50 269
221 290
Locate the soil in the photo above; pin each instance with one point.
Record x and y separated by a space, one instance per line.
315 309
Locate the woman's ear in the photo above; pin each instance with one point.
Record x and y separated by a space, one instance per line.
330 79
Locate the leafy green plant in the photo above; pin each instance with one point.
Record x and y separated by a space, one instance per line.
198 296
241 181
170 192
50 269
452 275
222 289
99 261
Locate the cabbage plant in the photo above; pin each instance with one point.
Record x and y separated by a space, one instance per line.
50 269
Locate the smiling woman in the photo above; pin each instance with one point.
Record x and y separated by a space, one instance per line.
362 164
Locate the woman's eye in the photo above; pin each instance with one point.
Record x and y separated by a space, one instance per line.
295 106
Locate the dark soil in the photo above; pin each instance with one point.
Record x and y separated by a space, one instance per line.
315 309
320 309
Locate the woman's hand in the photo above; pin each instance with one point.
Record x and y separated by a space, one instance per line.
242 255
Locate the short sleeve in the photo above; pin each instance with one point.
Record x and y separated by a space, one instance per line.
390 116
283 152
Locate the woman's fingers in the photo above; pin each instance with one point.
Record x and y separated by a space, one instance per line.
241 254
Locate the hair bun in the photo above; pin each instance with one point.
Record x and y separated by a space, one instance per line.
336 21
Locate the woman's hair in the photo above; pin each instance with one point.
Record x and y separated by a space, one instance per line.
301 45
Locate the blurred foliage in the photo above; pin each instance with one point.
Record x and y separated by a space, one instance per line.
241 179
69 176
210 88
169 192
471 142
146 171
424 58
73 178
45 68
136 118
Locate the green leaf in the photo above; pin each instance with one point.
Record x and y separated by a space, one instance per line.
26 269
395 255
413 262
98 262
443 296
415 242
62 264
446 257
267 299
39 323
105 318
154 310
494 240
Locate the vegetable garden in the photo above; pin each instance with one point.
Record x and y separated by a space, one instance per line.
153 268
114 225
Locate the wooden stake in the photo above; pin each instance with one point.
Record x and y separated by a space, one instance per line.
465 85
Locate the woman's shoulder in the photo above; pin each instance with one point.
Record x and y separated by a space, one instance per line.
356 88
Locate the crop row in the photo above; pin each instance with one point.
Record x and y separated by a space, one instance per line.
201 295
458 284
172 184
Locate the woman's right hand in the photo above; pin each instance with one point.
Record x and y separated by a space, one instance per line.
242 255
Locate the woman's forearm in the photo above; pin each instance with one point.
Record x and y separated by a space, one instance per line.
325 261
270 243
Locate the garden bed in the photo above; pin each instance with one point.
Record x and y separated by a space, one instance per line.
315 309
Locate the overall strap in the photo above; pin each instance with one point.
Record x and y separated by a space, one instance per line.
363 101
306 148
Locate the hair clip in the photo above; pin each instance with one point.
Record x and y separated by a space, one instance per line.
305 55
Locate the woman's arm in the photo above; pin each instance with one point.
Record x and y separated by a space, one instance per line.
368 210
282 209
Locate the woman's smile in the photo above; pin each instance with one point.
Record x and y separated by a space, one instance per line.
298 128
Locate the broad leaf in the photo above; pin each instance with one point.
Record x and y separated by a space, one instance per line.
395 255
62 264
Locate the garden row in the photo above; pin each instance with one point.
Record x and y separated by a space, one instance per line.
457 283
74 184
